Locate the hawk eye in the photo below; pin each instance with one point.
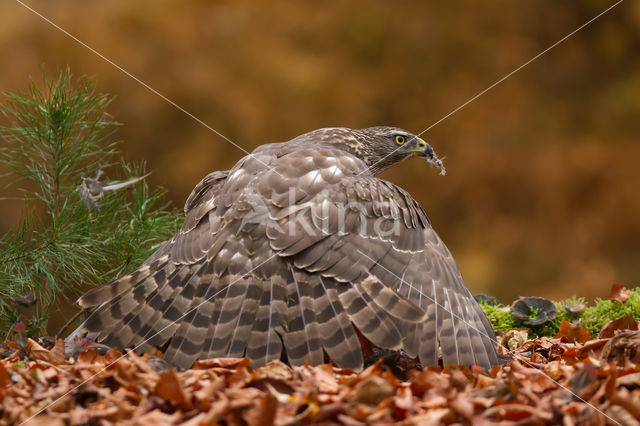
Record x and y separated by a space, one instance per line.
399 140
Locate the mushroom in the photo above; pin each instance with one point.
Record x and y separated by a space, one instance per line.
483 298
574 308
534 310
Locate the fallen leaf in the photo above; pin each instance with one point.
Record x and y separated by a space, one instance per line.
619 293
4 376
277 370
46 420
463 406
323 378
87 357
538 382
169 388
515 338
263 413
427 379
372 391
113 355
221 363
591 345
630 380
405 401
624 345
610 327
57 352
36 352
574 333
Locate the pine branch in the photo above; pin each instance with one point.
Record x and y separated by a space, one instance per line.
91 218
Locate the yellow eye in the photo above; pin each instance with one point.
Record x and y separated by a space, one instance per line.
399 140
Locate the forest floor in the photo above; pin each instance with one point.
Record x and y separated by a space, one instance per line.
570 379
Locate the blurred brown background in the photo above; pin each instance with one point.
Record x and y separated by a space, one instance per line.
541 195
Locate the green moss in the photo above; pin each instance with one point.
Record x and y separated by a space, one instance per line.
533 313
592 318
551 328
500 319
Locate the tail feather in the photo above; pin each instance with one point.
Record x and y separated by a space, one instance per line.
446 337
372 321
196 313
475 329
464 350
246 318
114 312
129 327
486 333
165 321
150 310
186 344
302 340
150 330
264 343
390 300
340 340
225 315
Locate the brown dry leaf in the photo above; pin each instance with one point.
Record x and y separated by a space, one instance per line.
263 412
538 358
277 370
427 379
36 352
57 352
87 357
630 380
372 391
437 416
538 382
323 378
404 401
231 363
605 372
624 345
45 420
591 345
484 381
170 388
113 355
463 406
573 332
5 380
619 293
515 338
610 327
622 397
519 412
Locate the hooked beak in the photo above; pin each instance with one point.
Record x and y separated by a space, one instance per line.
423 149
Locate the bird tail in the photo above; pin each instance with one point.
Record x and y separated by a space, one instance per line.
191 312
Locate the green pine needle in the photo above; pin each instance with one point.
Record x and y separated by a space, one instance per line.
56 137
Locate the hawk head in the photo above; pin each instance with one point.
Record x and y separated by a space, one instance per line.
379 147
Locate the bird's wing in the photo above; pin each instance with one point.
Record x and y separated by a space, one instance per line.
216 289
142 305
393 275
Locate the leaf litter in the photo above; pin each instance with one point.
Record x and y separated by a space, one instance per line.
569 379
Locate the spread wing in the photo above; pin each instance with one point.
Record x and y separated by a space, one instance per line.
376 245
141 308
294 251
